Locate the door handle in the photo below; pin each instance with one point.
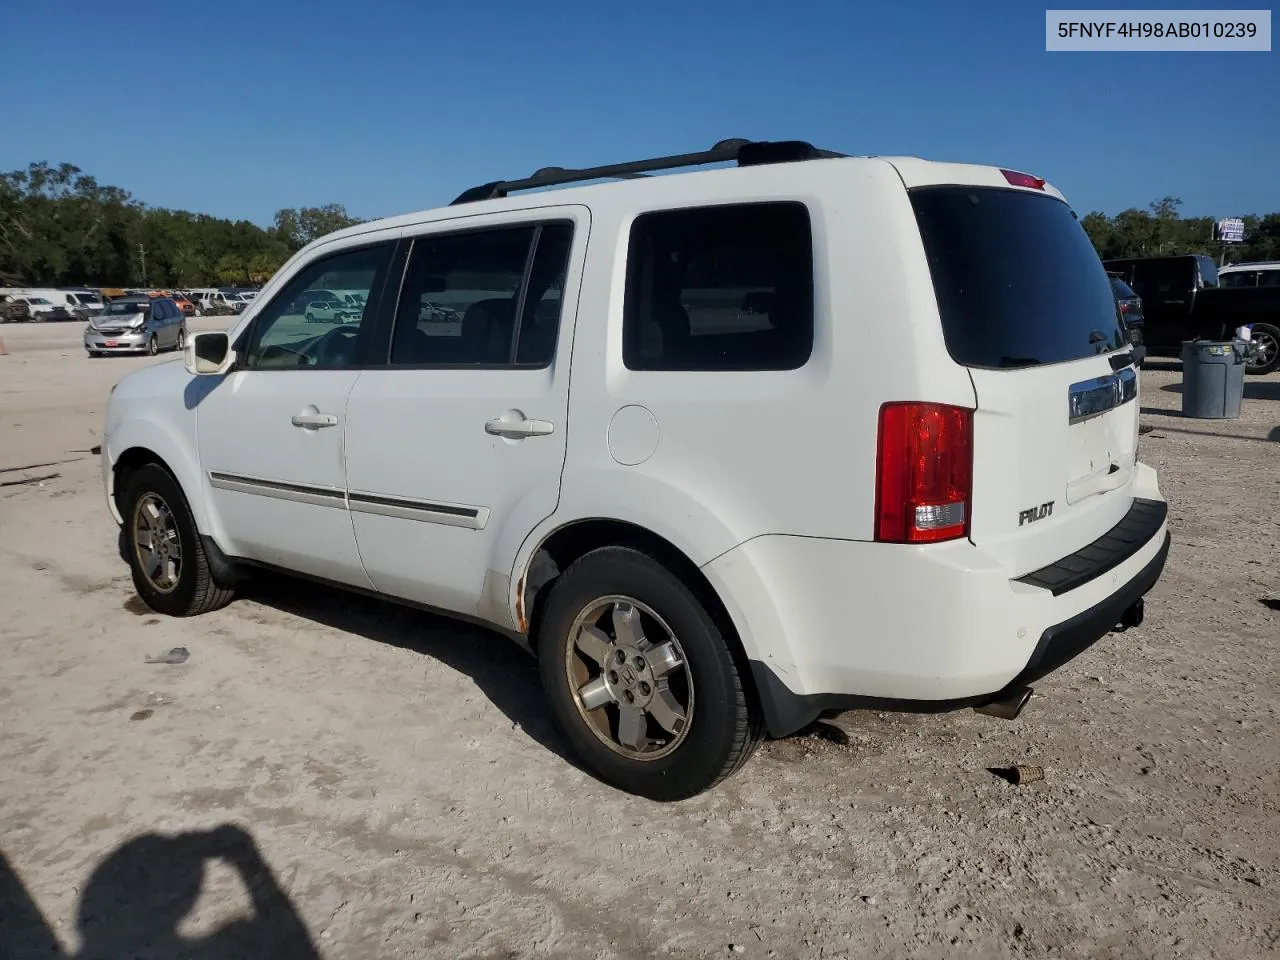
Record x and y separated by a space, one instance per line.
519 428
314 421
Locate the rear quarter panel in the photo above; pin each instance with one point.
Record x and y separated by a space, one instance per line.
742 454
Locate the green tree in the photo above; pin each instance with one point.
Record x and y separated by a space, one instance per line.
298 227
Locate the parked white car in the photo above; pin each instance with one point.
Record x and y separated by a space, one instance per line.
1263 273
727 449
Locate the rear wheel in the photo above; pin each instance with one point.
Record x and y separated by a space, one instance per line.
641 680
1266 348
170 569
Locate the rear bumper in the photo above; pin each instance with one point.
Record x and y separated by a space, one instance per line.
786 711
838 625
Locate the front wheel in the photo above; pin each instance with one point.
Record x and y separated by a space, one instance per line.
182 339
153 345
1266 349
641 679
170 570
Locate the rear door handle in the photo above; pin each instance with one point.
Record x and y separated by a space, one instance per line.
313 421
519 428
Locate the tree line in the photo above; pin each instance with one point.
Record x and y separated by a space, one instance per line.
1160 231
59 226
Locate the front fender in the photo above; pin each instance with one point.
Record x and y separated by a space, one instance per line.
176 448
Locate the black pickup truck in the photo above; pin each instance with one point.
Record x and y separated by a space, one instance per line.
1182 300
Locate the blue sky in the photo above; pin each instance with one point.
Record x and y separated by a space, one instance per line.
238 108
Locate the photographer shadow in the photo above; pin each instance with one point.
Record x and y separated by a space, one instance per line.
137 898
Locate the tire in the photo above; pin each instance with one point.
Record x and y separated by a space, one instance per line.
95 353
1266 337
310 317
153 345
182 340
721 727
194 590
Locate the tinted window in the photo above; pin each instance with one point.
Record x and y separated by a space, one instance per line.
720 288
1121 289
1208 272
1269 278
462 293
1238 278
285 337
1162 279
1016 279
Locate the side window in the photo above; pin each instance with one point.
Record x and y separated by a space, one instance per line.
1267 278
288 333
484 297
720 288
1208 272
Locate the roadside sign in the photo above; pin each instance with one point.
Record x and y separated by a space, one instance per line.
1231 230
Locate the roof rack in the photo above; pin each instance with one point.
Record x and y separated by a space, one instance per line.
746 153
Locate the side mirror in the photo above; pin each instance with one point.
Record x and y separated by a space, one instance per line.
208 354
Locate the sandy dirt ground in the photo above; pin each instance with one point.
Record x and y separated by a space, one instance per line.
338 777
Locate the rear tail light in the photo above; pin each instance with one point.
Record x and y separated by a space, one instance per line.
924 472
1023 179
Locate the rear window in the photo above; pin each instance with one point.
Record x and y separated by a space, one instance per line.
1017 281
1122 289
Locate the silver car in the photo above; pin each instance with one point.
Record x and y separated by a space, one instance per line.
136 325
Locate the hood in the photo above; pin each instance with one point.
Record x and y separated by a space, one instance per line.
115 319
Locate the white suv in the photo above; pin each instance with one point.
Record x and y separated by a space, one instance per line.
728 449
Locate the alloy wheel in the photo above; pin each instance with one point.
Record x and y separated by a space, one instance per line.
1265 346
630 678
156 542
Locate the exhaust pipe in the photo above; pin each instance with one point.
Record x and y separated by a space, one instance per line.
1008 705
1132 616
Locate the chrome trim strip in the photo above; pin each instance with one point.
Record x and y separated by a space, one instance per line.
279 489
1092 398
427 511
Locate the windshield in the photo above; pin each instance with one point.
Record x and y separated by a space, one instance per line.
121 308
38 301
1016 279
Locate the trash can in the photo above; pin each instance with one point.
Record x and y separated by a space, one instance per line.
1213 378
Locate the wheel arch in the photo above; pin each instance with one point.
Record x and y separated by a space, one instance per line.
138 442
573 539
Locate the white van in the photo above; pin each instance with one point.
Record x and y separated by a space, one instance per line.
727 449
81 302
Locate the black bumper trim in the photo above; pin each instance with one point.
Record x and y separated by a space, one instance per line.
786 712
1131 534
1067 640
